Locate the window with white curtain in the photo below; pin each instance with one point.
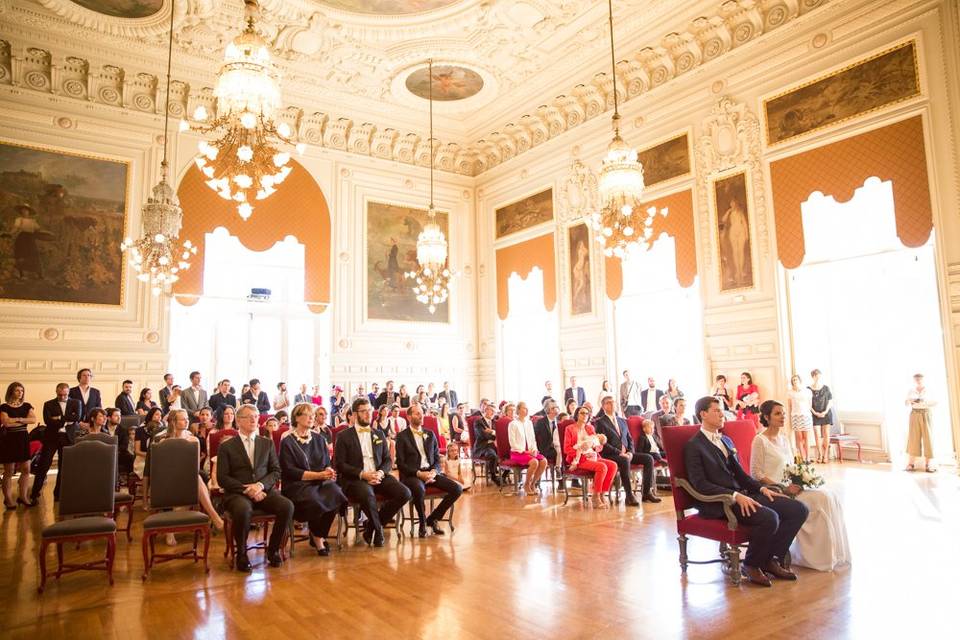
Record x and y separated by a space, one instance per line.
658 323
530 342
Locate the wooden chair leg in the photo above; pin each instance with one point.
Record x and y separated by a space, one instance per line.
59 559
733 556
206 549
859 453
43 566
147 557
682 539
111 551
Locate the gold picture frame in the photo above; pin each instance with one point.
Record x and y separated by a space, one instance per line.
733 230
667 160
527 212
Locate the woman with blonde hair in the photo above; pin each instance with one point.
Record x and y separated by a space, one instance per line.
799 403
523 447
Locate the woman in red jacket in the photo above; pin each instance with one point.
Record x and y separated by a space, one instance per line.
581 448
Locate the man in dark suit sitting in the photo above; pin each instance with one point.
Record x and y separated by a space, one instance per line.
362 457
774 519
113 428
248 471
59 414
619 447
87 396
485 443
545 430
418 458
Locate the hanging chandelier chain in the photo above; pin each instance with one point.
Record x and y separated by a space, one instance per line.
613 67
430 84
166 110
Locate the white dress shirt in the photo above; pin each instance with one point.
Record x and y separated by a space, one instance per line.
418 440
366 446
653 443
633 395
651 399
63 406
714 437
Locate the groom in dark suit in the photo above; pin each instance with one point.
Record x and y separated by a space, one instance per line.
248 471
714 469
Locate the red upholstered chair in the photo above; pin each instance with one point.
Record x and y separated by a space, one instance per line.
213 445
431 423
502 426
263 419
585 477
479 466
662 471
432 493
728 532
742 432
276 435
403 413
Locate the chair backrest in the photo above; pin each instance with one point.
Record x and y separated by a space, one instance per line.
174 467
263 418
742 432
431 423
674 440
89 471
471 420
635 426
561 433
276 435
130 422
336 432
502 428
403 413
217 437
105 438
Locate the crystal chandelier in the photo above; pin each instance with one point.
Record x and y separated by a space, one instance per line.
155 256
244 163
433 276
621 222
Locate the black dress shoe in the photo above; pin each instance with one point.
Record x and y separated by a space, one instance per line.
274 559
243 564
649 497
367 532
756 576
422 531
378 538
435 528
324 550
631 502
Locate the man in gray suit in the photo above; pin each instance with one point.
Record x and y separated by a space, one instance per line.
630 402
194 397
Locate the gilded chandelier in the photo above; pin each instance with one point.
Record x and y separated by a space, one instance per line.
621 222
433 275
156 256
245 162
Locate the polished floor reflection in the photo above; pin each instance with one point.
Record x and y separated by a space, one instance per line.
521 567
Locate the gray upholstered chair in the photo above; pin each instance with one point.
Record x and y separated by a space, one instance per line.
86 499
122 500
174 468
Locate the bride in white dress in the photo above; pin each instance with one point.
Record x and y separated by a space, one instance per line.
821 543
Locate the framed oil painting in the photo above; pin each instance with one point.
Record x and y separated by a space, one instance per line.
526 213
122 8
392 232
581 291
665 161
883 79
734 243
62 218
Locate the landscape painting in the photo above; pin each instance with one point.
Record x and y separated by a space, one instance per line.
526 213
581 298
61 225
881 80
392 233
122 8
733 232
668 160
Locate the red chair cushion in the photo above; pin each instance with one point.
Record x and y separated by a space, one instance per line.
712 529
217 437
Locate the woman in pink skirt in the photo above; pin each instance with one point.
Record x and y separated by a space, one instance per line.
523 447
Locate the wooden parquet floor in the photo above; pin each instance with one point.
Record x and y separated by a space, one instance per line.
519 567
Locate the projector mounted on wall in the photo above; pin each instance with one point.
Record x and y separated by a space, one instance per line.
259 295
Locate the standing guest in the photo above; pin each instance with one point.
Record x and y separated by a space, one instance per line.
337 403
449 395
575 392
800 404
485 443
60 414
821 407
650 397
372 396
673 391
175 399
403 397
143 437
257 397
178 428
422 400
581 448
113 428
919 442
281 400
88 396
222 398
454 470
659 416
773 518
16 414
606 390
166 391
194 397
244 394
822 541
432 395
721 394
458 424
360 393
548 392
248 471
322 427
748 399
620 449
418 459
631 402
388 396
303 396
145 401
316 397
650 442
124 401
548 435
523 447
309 479
676 417
363 464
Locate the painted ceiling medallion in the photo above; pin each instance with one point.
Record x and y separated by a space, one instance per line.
450 83
122 8
389 7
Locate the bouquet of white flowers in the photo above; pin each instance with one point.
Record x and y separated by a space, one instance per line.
802 473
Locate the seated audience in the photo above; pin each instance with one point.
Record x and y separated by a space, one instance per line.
721 394
620 448
456 471
581 448
309 479
458 424
363 464
658 416
675 418
548 436
650 442
403 397
773 518
178 427
113 428
143 436
523 447
418 459
571 407
485 443
443 420
388 396
16 414
248 471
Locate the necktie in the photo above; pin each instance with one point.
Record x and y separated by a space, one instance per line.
250 447
363 429
419 434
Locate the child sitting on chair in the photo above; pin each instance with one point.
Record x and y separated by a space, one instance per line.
454 470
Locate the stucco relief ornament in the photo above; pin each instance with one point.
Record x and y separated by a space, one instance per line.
722 144
578 193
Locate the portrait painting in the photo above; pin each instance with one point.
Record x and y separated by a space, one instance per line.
526 213
61 225
450 82
392 233
581 298
388 7
734 244
665 161
122 8
878 81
